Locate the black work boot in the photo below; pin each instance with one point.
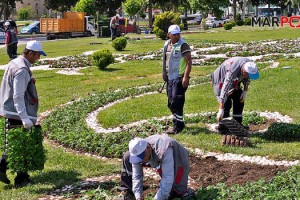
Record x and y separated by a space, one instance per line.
3 178
3 167
22 179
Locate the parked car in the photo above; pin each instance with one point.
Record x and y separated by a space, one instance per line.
34 27
129 28
197 20
2 36
214 22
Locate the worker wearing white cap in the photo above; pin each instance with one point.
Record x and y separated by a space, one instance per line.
170 159
227 80
19 100
177 65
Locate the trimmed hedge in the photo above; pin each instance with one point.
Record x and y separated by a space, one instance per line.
283 132
119 43
103 58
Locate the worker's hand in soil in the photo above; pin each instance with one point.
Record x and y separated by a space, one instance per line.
243 97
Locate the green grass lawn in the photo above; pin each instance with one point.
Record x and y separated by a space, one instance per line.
276 90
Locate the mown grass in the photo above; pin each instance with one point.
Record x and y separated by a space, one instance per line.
77 46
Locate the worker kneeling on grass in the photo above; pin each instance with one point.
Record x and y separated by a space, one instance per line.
170 159
227 80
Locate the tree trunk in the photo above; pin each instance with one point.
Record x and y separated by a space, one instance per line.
269 10
5 10
234 10
150 14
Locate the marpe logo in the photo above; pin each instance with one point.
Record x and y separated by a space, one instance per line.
293 22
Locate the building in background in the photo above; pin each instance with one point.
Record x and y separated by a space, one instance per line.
37 7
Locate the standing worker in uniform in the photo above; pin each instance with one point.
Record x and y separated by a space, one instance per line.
114 23
177 65
11 40
19 99
170 159
226 81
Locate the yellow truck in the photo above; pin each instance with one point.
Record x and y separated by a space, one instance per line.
73 24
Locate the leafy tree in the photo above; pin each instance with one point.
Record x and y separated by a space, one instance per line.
205 6
61 5
133 7
108 7
7 7
87 6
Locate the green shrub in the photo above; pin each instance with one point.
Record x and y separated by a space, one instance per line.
247 22
24 13
283 132
240 23
238 17
228 26
119 43
103 58
163 21
25 150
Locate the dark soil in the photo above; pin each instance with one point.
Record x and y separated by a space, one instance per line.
204 172
209 171
263 126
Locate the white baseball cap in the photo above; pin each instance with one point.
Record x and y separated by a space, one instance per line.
252 70
174 29
35 46
137 147
7 24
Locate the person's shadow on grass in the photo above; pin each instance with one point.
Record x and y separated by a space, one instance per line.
55 178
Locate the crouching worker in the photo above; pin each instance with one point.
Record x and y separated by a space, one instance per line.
19 107
170 159
227 80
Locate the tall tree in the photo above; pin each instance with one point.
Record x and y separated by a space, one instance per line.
60 5
87 6
206 6
108 7
6 8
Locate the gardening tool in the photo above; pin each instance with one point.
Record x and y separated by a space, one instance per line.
162 87
233 132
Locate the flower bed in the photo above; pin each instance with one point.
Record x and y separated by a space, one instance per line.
67 62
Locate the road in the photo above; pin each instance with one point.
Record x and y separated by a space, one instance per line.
24 40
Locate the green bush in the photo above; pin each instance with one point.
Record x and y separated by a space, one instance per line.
283 132
24 13
103 58
163 21
238 17
240 23
228 26
119 43
247 22
25 150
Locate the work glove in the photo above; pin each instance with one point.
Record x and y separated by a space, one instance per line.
220 114
27 123
243 97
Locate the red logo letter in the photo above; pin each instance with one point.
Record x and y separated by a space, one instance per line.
283 20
